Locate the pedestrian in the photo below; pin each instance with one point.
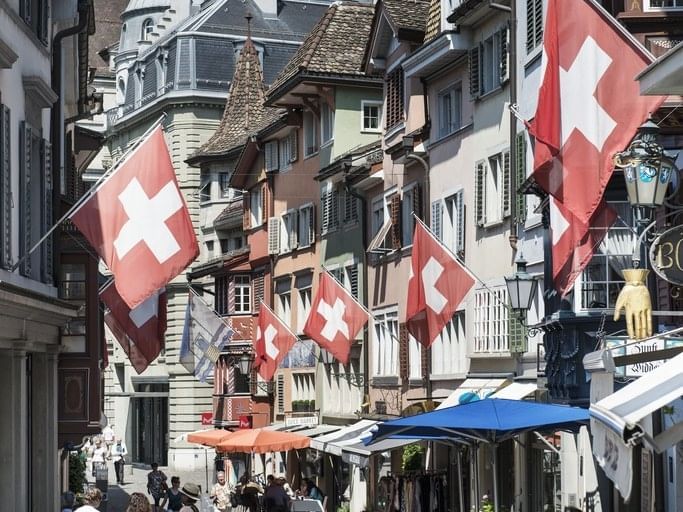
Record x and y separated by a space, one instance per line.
156 485
276 498
310 490
190 496
138 502
68 501
92 499
285 485
118 454
108 436
250 491
99 455
221 493
173 496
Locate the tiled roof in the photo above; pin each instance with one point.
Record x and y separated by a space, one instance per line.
107 30
433 20
232 212
244 112
407 14
334 47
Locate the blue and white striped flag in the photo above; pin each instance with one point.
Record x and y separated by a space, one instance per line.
204 335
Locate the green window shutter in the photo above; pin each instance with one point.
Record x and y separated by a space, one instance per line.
334 209
25 196
480 194
520 169
506 184
475 72
46 188
516 335
5 189
460 223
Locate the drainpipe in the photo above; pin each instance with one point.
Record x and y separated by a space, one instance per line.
57 114
512 48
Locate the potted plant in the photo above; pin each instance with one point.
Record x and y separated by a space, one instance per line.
312 405
307 406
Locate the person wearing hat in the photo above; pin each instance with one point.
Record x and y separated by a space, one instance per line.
276 498
190 496
92 498
221 493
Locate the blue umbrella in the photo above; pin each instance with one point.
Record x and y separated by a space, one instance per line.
490 421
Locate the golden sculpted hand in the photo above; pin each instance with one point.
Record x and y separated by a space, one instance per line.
635 299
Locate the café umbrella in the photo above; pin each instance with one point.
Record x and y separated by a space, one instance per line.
489 421
260 440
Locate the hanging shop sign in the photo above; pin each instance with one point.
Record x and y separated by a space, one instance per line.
622 346
207 418
666 255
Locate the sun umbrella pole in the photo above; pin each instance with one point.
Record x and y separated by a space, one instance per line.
475 464
206 467
460 489
494 447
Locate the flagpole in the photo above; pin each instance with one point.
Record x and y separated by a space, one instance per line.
77 205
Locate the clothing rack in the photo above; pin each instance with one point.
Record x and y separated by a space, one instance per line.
417 472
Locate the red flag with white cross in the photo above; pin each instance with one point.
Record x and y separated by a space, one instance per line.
138 222
589 104
139 331
272 342
438 284
335 318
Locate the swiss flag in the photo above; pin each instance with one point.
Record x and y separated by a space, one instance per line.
335 318
574 243
438 283
272 342
139 331
138 222
589 104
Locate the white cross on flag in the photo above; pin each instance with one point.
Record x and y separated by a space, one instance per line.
138 222
589 108
438 284
139 331
589 105
272 342
335 318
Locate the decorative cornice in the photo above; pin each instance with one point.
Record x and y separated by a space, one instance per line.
40 93
7 55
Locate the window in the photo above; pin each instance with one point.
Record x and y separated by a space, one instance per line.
205 188
488 63
414 358
326 123
289 231
410 208
380 224
5 189
303 308
287 151
453 223
602 280
303 387
72 288
394 88
36 15
147 29
121 91
385 345
256 207
492 194
348 277
329 208
310 134
224 182
491 320
372 116
350 208
449 109
283 300
270 153
242 294
306 226
534 24
161 72
663 4
209 249
449 350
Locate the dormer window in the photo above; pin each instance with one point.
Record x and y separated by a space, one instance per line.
147 29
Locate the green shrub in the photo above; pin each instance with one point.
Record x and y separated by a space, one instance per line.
77 479
412 457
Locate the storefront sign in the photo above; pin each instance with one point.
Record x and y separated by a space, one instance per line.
207 418
639 369
666 255
614 456
245 422
308 421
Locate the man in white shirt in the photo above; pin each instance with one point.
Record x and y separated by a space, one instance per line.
108 435
118 454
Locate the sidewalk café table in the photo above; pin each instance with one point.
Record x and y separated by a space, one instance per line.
306 505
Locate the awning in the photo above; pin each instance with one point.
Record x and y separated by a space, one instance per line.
472 390
623 410
320 430
516 391
327 443
355 452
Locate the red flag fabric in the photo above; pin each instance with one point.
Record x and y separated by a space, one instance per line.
438 283
138 222
272 342
574 243
335 318
139 331
589 104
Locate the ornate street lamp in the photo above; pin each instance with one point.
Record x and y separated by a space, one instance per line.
521 288
647 167
244 363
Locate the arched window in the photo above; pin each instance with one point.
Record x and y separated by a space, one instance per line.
122 90
147 28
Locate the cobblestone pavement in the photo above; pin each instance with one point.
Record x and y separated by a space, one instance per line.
135 480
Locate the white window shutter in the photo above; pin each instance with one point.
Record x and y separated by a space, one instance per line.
293 145
273 235
480 194
460 226
293 230
437 211
325 200
504 54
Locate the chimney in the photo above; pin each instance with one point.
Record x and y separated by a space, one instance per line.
267 7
